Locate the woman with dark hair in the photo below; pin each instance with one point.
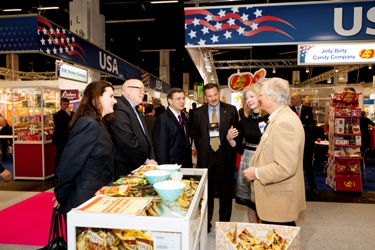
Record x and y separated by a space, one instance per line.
87 160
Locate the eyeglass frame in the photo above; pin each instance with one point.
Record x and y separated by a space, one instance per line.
139 88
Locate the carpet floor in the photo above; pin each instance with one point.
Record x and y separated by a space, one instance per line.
28 222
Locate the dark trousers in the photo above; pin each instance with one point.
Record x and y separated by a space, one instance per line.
307 162
221 178
289 223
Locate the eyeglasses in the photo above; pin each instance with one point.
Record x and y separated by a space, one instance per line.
179 99
142 89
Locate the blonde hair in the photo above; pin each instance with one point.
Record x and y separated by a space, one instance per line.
256 89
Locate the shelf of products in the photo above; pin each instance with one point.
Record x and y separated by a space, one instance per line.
344 162
172 230
30 111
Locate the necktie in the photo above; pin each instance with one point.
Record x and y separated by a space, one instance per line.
298 112
139 119
214 140
180 121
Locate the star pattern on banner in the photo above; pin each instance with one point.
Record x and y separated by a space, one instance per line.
56 41
210 26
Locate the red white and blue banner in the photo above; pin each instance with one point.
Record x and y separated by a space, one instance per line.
287 23
28 34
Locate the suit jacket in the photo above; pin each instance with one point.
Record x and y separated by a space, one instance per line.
61 120
306 115
150 121
159 110
86 163
171 142
280 190
306 120
132 145
228 118
6 130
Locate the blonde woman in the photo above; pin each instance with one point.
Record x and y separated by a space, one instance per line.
252 124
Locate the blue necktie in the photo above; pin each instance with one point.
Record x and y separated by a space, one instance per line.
139 120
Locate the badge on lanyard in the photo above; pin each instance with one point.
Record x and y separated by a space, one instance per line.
262 126
214 129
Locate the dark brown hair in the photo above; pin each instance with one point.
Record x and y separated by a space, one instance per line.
210 86
172 91
90 102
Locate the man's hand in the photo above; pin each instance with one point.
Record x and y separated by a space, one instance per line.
249 173
232 133
151 162
6 175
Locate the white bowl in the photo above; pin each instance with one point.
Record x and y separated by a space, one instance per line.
169 190
169 167
154 176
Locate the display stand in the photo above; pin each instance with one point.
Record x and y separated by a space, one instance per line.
183 232
32 109
344 171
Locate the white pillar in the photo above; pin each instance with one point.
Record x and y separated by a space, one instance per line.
84 19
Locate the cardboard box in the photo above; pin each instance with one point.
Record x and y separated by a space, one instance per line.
260 231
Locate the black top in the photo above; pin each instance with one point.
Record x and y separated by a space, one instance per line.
249 130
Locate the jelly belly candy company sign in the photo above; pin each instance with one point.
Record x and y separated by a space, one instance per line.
336 53
238 81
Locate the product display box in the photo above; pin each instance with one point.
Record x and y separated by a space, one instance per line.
348 182
260 231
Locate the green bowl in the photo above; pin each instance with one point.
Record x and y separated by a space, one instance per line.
169 190
154 176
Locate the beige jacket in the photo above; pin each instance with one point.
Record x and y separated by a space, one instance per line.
280 191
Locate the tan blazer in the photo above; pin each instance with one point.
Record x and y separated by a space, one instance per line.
280 191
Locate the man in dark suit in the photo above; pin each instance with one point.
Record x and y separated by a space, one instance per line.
60 136
306 116
159 108
149 117
5 129
132 144
171 132
211 124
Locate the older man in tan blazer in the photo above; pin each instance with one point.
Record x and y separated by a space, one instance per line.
277 166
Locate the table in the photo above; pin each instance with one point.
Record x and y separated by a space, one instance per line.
190 230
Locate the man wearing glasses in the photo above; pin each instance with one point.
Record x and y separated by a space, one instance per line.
132 144
171 132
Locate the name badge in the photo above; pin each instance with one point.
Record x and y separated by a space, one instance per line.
262 126
214 130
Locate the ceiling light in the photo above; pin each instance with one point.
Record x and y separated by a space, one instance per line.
171 1
336 70
9 10
370 67
273 70
307 70
48 8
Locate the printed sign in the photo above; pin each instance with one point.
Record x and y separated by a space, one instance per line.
325 54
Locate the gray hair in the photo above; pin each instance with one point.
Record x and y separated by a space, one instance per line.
277 87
